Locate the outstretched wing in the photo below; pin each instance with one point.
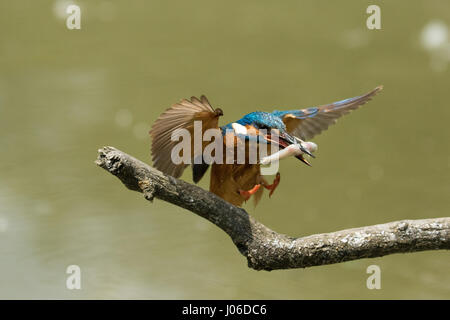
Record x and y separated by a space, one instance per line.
180 116
306 123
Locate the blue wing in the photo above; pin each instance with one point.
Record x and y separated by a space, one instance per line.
306 123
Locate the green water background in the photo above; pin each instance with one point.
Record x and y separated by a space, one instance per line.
65 93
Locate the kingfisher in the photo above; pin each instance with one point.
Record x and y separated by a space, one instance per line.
283 133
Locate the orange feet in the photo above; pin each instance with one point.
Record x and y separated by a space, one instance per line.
247 194
274 184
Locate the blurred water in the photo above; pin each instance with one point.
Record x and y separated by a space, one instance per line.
64 94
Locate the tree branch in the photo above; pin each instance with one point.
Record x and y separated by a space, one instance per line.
265 249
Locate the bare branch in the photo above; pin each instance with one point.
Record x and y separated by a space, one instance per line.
265 249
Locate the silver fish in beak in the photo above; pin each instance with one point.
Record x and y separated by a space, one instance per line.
291 146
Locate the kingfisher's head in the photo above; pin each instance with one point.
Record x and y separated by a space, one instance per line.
275 127
263 120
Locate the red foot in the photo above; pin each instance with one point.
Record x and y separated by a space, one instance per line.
274 184
247 194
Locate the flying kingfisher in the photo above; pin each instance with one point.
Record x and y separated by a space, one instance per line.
236 182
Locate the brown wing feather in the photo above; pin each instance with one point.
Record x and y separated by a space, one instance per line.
179 116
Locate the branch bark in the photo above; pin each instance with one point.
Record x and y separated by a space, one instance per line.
266 249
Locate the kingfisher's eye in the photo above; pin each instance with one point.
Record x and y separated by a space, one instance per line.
263 126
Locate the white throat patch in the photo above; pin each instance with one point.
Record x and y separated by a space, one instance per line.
239 129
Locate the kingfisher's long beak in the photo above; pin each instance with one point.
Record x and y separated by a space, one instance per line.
302 159
293 140
290 146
